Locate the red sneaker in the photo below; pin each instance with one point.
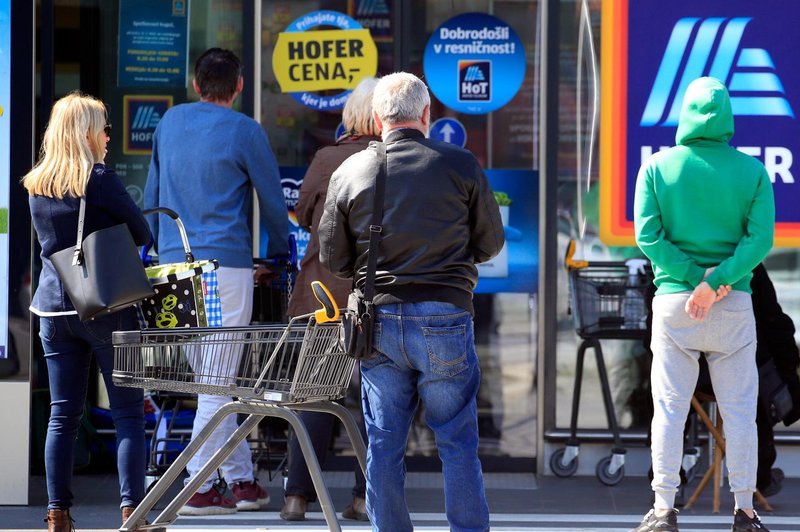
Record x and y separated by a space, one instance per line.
249 496
209 503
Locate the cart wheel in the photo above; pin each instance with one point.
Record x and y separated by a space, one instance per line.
603 474
560 470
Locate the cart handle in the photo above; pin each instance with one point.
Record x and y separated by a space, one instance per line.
329 311
570 264
181 229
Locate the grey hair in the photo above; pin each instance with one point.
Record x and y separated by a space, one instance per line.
400 97
357 113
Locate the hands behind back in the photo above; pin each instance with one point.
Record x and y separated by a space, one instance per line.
703 297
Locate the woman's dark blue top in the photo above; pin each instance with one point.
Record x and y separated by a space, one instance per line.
56 224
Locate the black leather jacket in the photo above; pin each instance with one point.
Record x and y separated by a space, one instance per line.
440 219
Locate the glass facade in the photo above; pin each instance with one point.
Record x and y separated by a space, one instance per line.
105 48
578 207
503 139
81 44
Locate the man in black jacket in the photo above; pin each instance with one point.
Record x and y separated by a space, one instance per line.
440 218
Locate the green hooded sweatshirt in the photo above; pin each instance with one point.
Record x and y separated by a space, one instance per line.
703 204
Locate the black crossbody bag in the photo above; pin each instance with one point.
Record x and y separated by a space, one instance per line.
358 326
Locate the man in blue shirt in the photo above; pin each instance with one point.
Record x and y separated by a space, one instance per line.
207 159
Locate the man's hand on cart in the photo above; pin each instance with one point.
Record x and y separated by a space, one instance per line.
263 275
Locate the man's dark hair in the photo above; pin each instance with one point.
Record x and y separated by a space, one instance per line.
217 72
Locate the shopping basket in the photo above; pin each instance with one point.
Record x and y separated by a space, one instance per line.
270 370
186 293
607 301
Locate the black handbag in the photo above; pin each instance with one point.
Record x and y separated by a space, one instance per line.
103 273
358 325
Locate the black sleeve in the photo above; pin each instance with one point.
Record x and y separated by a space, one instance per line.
119 205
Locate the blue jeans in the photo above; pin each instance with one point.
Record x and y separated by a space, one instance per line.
68 347
426 351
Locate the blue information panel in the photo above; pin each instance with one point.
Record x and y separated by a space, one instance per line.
153 41
515 269
474 63
449 130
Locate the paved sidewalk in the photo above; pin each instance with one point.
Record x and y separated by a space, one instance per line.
519 502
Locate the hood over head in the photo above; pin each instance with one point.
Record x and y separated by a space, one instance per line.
705 113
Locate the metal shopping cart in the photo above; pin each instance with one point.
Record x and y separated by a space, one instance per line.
277 370
607 300
273 287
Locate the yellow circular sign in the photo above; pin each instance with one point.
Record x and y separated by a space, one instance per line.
308 61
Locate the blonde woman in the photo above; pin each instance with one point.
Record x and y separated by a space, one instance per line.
71 166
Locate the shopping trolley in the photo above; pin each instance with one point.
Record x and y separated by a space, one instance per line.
278 370
272 292
607 301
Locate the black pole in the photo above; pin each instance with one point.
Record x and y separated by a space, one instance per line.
22 154
252 72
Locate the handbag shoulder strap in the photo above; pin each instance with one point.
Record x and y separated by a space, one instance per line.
77 256
375 227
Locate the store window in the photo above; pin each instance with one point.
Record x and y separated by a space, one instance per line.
578 212
411 36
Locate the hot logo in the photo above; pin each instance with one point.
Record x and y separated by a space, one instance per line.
474 81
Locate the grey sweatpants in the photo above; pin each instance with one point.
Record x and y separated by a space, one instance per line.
728 339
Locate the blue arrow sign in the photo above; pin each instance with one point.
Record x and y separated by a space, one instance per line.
449 130
339 131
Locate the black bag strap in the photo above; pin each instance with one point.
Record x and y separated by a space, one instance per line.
77 255
375 228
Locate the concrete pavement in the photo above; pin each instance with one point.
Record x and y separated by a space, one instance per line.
519 502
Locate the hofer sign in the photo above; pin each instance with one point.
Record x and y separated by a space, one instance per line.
651 50
307 59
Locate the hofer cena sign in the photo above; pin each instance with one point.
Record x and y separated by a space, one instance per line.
651 50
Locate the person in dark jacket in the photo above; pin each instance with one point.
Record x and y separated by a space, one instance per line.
72 166
440 218
775 336
360 130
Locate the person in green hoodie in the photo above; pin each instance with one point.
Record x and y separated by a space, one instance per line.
704 214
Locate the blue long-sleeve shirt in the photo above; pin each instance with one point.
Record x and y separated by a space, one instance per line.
206 161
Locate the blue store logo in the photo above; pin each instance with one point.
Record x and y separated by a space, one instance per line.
372 7
474 81
754 86
147 117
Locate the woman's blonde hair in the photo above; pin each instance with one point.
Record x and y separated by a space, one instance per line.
67 154
357 113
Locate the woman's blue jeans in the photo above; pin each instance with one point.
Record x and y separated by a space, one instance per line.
68 347
426 352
